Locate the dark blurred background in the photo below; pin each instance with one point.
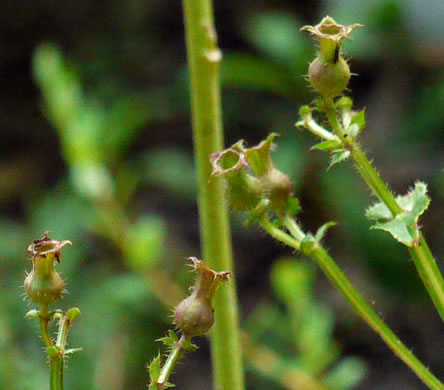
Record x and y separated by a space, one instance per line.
95 146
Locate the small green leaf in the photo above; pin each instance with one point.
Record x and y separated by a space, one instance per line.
73 313
323 229
168 385
293 207
307 243
169 340
345 103
359 119
166 341
327 145
378 212
304 111
403 226
353 130
414 203
173 335
32 314
398 229
189 346
154 369
338 156
73 350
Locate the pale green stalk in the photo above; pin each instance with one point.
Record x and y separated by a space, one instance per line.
422 257
56 363
174 356
359 304
203 59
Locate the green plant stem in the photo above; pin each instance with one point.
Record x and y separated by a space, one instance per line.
62 336
361 307
56 362
429 273
56 373
44 318
203 61
174 356
422 257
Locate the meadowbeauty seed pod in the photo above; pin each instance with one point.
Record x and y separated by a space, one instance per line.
194 316
43 285
329 73
275 184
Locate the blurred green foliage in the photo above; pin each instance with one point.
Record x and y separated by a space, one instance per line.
306 355
112 171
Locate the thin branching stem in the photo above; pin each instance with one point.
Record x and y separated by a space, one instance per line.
56 363
174 356
359 304
422 257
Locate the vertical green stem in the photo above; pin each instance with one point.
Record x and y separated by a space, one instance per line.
56 366
422 257
359 304
56 363
203 59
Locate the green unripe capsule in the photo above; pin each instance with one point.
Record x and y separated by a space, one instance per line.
43 285
329 73
329 78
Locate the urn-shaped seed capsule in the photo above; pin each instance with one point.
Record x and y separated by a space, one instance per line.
43 285
194 316
329 73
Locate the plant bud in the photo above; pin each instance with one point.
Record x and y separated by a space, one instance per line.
329 73
194 316
44 285
244 190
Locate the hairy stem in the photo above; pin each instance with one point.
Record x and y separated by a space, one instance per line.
359 304
424 261
44 318
203 60
174 356
56 363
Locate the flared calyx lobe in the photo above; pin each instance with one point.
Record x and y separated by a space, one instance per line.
44 285
244 190
265 182
194 316
329 73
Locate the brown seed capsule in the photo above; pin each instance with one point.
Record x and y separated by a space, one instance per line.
194 316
